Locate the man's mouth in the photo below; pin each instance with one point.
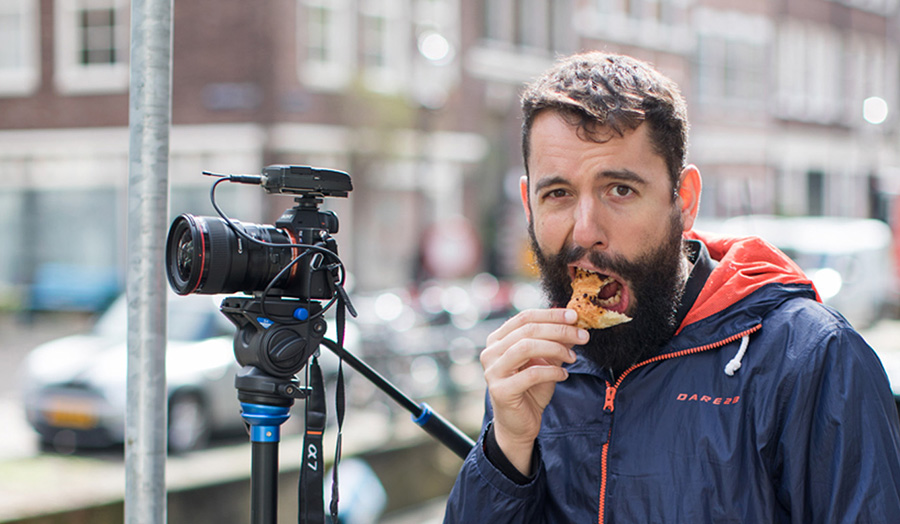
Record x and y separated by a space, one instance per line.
611 294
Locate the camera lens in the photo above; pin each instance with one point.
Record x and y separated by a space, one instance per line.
204 255
184 255
184 251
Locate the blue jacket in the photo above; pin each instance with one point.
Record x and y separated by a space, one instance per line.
766 407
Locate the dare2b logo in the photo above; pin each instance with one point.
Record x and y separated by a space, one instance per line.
708 399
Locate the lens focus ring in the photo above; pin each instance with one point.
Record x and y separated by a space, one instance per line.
219 258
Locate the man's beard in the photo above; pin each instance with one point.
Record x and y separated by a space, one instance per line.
657 283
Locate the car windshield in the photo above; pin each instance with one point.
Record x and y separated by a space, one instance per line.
188 318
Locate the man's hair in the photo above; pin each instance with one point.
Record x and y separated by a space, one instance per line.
602 93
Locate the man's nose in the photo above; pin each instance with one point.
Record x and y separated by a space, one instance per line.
589 230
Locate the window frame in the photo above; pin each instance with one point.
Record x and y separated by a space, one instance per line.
73 77
389 76
335 72
23 78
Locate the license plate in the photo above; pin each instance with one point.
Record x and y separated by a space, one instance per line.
71 413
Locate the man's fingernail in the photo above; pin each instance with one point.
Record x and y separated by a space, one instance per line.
571 316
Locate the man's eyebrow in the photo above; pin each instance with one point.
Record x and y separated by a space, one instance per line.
626 175
549 181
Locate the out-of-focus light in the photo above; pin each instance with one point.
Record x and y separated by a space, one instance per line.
466 319
455 300
875 110
485 287
526 296
430 299
828 282
462 350
388 307
435 48
425 370
406 320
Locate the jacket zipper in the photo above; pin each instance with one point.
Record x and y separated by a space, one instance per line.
611 390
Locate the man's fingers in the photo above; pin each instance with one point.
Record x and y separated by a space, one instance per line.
535 340
528 351
527 378
533 316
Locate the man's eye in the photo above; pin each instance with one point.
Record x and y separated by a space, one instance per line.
622 191
555 193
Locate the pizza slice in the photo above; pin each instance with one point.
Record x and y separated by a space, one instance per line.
589 300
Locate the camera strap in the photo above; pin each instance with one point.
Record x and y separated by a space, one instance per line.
339 401
310 497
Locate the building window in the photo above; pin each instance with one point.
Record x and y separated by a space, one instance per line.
809 72
317 42
328 42
92 46
19 47
730 73
873 72
498 20
655 24
534 25
98 36
815 190
385 43
732 50
374 33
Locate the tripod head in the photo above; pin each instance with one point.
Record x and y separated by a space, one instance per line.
270 352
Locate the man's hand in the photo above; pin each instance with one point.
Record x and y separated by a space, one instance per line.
522 364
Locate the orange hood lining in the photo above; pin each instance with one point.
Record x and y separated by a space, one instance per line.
745 264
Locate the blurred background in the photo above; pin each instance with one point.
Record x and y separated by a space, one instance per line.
794 108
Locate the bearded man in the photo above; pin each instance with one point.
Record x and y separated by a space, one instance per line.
731 394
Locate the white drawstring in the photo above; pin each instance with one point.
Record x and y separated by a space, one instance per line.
735 363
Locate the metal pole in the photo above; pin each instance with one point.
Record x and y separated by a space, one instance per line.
149 120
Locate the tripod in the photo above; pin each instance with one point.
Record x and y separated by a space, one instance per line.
289 268
266 401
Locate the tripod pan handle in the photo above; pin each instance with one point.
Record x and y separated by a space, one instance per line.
440 428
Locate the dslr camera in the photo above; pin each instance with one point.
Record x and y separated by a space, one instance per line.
284 270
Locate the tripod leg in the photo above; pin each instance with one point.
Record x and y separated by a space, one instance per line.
265 434
264 483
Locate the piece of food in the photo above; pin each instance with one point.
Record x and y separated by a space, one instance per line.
590 300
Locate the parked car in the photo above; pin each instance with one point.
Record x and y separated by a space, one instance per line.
849 260
75 387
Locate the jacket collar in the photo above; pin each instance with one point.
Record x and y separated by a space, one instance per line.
745 265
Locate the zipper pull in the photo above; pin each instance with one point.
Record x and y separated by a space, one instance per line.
610 398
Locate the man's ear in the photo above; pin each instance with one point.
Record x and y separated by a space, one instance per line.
689 191
523 191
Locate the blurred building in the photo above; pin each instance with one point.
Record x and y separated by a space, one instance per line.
418 100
